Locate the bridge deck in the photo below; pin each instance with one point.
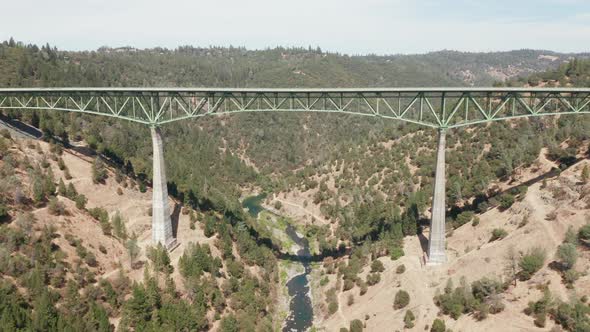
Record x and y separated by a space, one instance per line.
298 90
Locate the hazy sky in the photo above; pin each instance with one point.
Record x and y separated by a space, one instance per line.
354 27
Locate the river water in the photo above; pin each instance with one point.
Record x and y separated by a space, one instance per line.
300 316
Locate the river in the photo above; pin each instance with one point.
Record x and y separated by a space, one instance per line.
300 316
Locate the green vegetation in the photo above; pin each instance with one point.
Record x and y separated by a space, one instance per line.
572 316
99 172
506 200
584 234
438 326
567 255
119 226
377 266
480 298
400 269
540 308
531 262
356 326
498 234
409 319
401 300
389 199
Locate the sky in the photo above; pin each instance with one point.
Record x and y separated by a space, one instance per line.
344 26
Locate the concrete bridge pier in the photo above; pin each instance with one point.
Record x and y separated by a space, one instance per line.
161 221
436 242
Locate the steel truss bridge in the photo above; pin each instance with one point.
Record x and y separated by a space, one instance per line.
431 107
439 108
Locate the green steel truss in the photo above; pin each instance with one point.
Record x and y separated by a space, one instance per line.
431 107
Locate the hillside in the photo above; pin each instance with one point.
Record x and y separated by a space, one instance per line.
83 229
358 190
540 219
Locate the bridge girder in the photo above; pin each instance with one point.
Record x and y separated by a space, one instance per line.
430 107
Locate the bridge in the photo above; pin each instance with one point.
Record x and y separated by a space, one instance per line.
437 108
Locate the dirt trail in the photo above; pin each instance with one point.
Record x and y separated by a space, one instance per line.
303 209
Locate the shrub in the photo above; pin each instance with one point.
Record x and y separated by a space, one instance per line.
570 276
485 287
348 285
573 316
396 253
99 214
475 221
99 173
480 299
350 299
119 226
71 192
409 319
81 202
506 200
132 248
364 288
5 133
373 279
61 164
278 205
56 207
332 307
61 188
106 227
570 236
142 187
90 259
438 326
531 262
402 299
463 218
377 266
584 234
567 255
119 191
356 326
400 269
498 234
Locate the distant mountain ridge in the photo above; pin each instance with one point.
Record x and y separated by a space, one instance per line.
30 65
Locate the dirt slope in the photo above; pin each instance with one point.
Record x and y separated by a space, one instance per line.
473 256
133 205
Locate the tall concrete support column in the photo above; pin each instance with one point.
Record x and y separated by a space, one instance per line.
436 243
161 222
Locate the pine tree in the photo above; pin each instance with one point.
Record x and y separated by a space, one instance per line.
71 191
45 315
99 173
119 226
61 188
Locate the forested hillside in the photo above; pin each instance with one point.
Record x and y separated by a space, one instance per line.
370 179
295 151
